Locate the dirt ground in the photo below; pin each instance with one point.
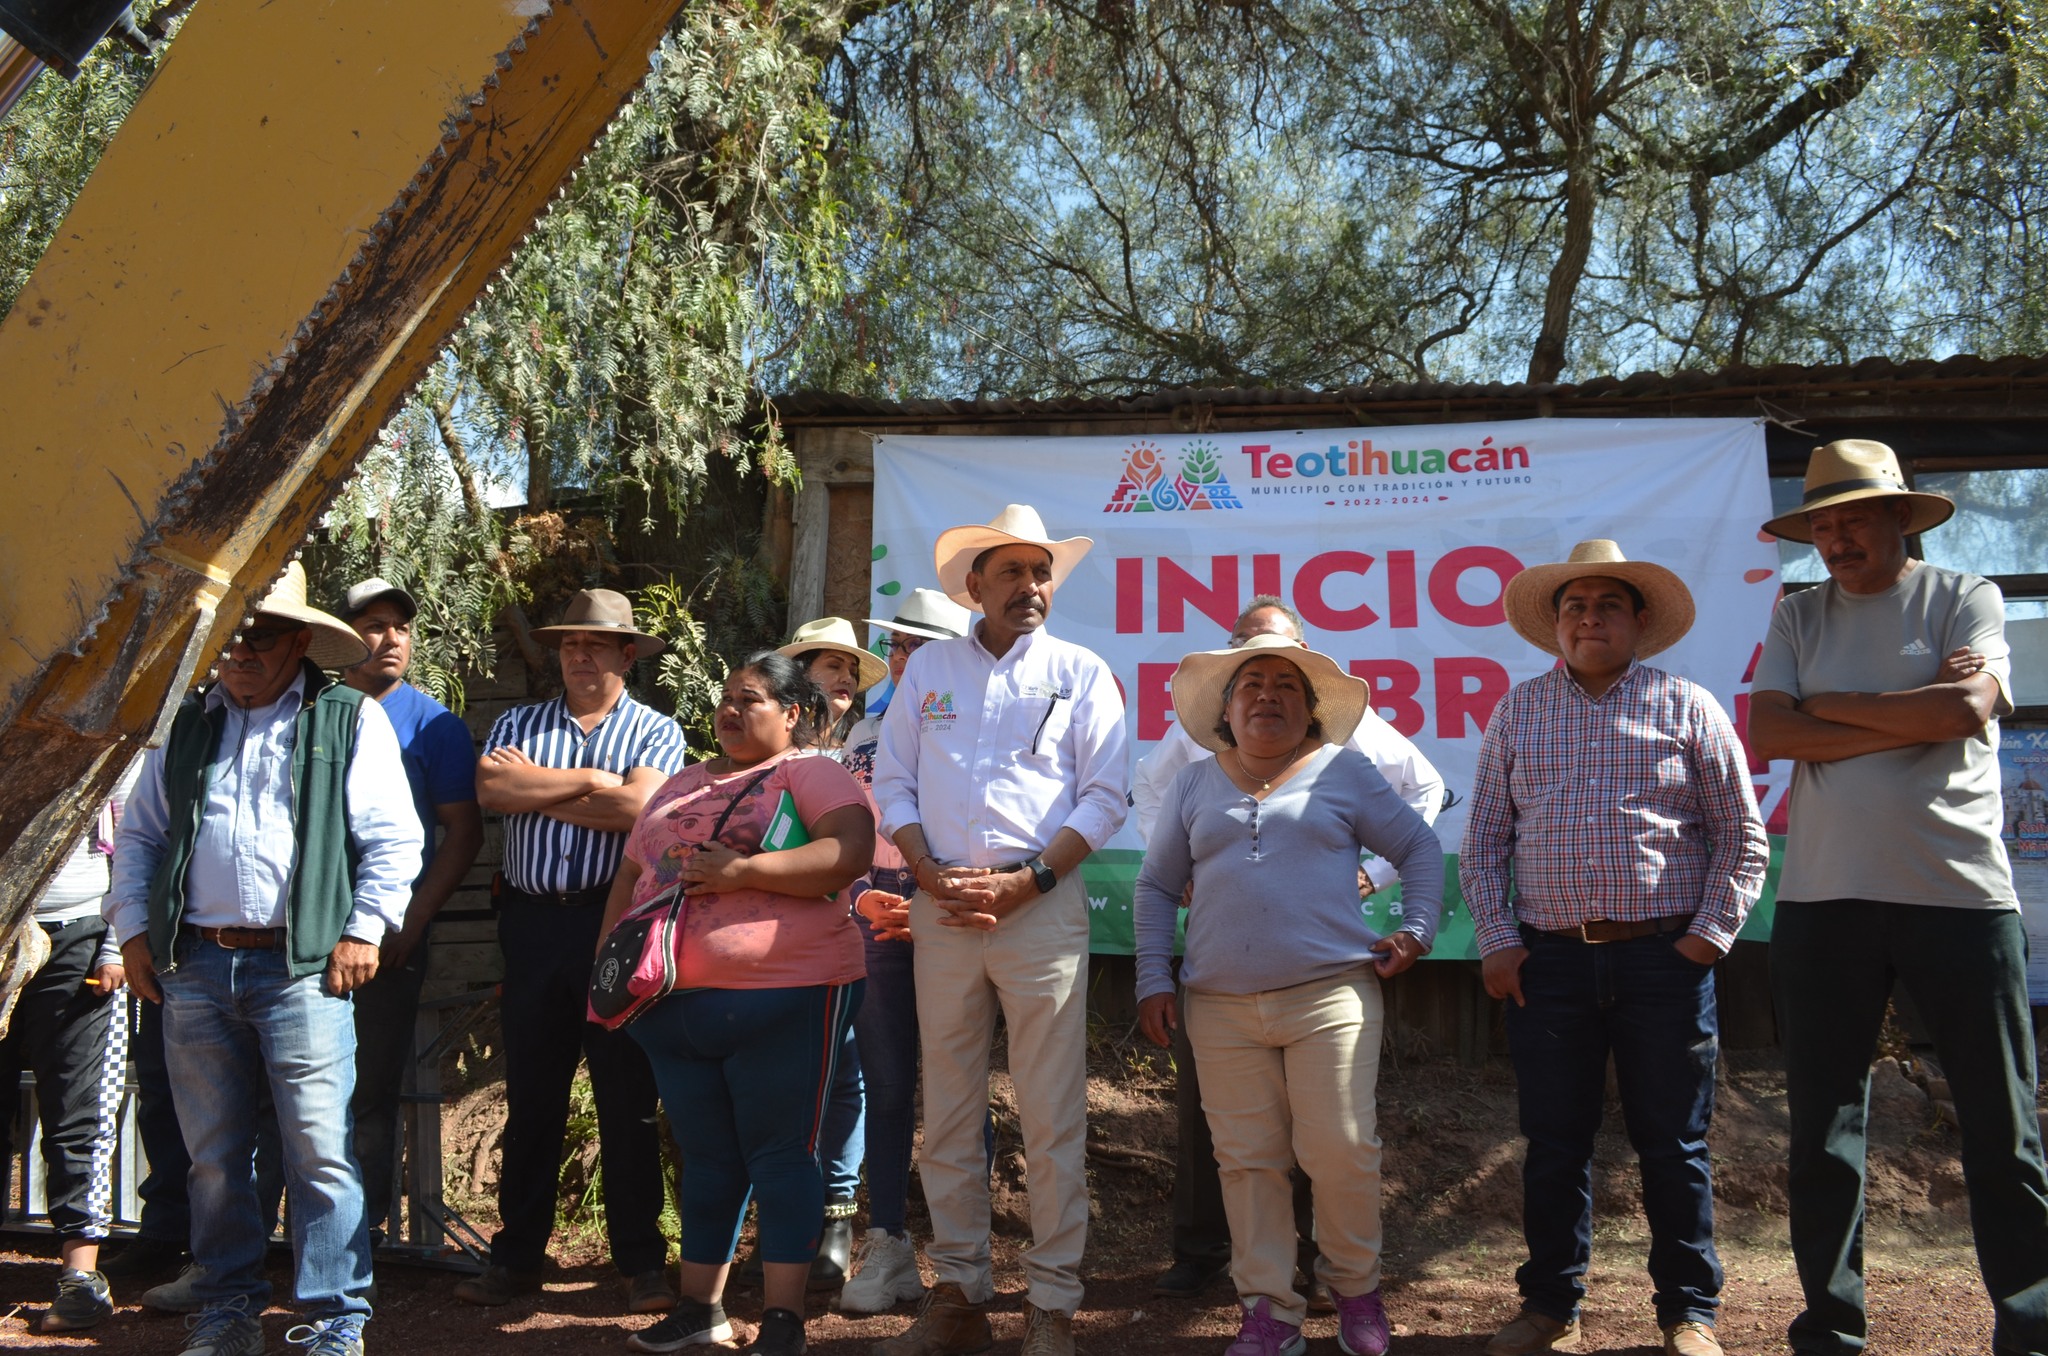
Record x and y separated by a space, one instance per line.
1452 1232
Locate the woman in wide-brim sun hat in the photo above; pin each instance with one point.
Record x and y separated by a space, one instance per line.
1282 972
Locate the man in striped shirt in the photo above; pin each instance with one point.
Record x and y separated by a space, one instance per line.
570 776
1620 798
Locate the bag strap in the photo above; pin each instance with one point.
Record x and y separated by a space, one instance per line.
733 804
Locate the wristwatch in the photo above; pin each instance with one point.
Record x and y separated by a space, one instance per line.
1042 875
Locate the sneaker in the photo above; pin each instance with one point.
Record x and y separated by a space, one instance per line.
692 1323
948 1324
885 1274
651 1293
178 1296
227 1329
1187 1278
1047 1332
339 1336
1691 1338
1362 1325
493 1286
1532 1332
781 1334
1261 1334
144 1256
83 1301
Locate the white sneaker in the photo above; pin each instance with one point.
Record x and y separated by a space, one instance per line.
176 1296
885 1275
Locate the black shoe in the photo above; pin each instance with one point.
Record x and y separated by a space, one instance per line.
145 1256
496 1285
835 1255
83 1301
651 1293
781 1334
692 1323
1187 1278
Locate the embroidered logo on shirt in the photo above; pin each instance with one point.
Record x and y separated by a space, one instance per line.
936 711
1915 646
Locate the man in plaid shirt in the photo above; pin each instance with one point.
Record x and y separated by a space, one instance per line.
1620 797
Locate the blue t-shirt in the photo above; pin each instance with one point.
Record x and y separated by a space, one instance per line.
440 756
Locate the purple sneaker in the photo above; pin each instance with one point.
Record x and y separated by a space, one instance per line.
1261 1334
1362 1325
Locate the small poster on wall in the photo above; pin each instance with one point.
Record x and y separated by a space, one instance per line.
2023 764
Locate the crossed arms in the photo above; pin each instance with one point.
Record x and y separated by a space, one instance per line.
1830 726
509 783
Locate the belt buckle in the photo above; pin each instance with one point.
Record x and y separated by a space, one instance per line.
1587 937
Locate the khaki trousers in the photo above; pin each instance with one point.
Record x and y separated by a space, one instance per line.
1034 969
1288 1076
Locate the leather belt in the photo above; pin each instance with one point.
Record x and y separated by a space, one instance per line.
1597 930
596 894
244 939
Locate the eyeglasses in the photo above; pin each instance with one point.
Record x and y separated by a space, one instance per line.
904 644
263 639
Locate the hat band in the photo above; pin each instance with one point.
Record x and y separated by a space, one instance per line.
1839 486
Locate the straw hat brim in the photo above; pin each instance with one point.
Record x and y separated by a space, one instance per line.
1665 597
645 646
912 629
872 669
957 547
335 643
1199 680
1929 511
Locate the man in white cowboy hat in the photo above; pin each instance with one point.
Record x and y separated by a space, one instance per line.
1201 1234
1001 767
267 851
1885 684
440 771
570 775
1616 799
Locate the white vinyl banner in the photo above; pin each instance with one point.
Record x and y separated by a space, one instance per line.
1393 544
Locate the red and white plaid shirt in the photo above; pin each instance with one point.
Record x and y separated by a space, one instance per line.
1636 805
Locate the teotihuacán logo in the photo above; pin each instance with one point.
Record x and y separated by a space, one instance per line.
1145 488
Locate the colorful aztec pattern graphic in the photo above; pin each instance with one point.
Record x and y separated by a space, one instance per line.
1145 487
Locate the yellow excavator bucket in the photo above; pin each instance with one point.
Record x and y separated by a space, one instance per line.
279 240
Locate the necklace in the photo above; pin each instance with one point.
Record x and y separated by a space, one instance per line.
1265 783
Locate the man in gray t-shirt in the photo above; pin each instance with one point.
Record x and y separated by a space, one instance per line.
1885 684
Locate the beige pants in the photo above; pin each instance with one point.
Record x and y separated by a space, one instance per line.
1034 966
1288 1076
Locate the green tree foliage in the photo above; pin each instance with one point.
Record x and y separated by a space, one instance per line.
1095 197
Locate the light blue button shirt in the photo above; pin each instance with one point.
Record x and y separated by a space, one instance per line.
242 862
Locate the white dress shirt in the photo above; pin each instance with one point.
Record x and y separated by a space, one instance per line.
241 867
995 756
1414 779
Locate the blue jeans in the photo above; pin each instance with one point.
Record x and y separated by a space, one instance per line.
1833 964
745 1075
844 1138
885 1029
1654 1011
234 1023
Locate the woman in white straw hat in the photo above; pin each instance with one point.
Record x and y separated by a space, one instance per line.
1282 972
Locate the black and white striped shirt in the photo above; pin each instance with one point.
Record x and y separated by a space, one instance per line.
542 853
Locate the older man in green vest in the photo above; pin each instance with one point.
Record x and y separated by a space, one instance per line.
268 849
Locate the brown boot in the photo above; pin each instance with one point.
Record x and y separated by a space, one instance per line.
947 1325
1047 1332
1532 1333
1691 1338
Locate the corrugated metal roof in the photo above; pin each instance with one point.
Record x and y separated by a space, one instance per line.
1917 382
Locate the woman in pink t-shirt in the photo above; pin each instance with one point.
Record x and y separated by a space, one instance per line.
765 840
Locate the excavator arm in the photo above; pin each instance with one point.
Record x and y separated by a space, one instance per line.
282 236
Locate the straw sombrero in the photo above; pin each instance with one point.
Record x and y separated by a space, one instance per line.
1199 680
601 610
836 633
1851 469
335 643
1019 524
928 613
1665 596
